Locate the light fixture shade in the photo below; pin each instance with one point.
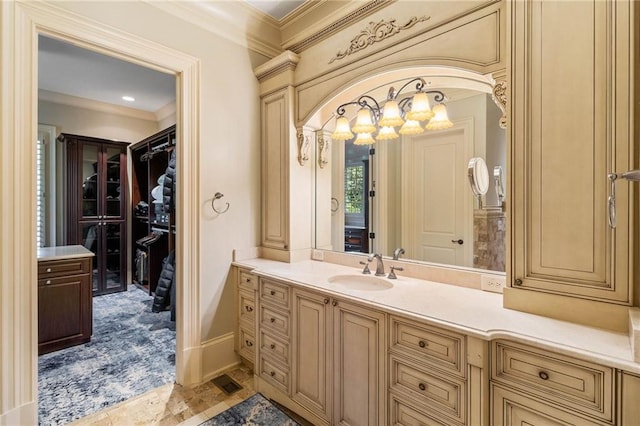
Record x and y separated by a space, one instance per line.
387 133
420 108
411 127
440 119
342 131
364 139
391 115
364 124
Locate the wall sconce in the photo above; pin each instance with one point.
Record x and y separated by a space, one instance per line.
406 113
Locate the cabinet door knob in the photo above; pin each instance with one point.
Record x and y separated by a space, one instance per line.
272 292
273 346
48 269
48 282
248 280
460 241
517 282
249 343
326 301
272 319
422 386
249 308
543 375
422 344
334 303
273 374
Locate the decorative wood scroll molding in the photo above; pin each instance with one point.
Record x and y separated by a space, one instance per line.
323 149
377 32
499 96
303 146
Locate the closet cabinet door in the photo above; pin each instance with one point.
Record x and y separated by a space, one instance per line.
572 104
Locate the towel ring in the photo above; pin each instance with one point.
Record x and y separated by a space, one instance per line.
217 196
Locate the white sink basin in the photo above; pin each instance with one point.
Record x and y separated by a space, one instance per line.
361 282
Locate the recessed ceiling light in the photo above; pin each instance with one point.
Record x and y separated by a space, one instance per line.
129 98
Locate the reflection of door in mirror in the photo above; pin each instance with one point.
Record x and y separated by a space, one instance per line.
435 214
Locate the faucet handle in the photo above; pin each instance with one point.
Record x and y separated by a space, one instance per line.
392 274
366 267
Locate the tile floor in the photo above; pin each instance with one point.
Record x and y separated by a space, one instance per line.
173 404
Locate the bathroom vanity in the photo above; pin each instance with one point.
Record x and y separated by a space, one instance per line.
340 347
64 297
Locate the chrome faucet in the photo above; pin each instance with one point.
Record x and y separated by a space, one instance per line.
379 266
397 252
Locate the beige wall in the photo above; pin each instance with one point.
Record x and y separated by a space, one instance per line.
86 122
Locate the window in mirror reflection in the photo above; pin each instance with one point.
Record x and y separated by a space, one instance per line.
356 199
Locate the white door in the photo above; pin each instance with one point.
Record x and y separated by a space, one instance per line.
437 206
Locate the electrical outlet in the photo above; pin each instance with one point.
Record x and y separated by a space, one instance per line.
317 255
493 283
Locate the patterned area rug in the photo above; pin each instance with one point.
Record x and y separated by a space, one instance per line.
132 351
256 410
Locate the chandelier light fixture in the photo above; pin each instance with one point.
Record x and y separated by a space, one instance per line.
406 113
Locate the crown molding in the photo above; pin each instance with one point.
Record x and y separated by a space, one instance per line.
303 29
84 103
231 20
287 60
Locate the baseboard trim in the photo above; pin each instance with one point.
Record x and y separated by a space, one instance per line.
26 414
218 355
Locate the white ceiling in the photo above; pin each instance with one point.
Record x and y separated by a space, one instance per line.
71 70
277 9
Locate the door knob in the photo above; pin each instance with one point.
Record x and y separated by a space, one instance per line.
460 241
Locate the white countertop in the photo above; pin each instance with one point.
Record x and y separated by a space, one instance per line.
63 252
473 312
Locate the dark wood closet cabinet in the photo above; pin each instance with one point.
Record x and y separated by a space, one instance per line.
97 206
153 223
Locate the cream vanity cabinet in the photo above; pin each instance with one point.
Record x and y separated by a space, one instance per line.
536 387
338 359
571 108
245 341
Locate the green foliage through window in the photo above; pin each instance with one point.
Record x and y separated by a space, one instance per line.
354 189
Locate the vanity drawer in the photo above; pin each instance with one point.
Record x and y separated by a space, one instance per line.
275 320
275 293
573 383
274 347
57 268
441 393
441 348
247 281
404 413
273 373
247 307
247 344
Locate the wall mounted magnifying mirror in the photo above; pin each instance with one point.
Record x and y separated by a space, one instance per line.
414 191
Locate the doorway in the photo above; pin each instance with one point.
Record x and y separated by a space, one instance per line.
132 350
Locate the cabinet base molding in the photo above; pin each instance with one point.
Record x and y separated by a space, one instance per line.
582 311
271 392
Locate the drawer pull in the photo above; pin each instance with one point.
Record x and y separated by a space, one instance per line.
273 374
249 343
422 344
48 282
272 346
543 375
273 292
48 269
249 308
272 319
248 280
422 386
